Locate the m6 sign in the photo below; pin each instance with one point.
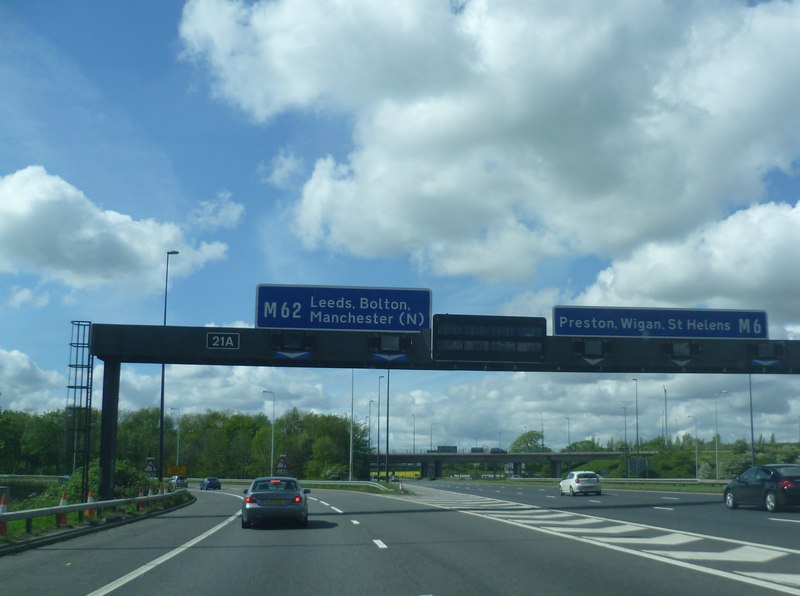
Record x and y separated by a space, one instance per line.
343 308
659 322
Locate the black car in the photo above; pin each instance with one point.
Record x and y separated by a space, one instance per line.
772 487
210 483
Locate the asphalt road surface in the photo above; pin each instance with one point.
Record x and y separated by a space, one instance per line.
440 538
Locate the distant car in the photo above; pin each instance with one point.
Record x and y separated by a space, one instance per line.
271 498
580 482
772 487
210 483
179 482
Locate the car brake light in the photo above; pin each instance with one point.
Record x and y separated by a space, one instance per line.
297 500
249 500
786 484
577 481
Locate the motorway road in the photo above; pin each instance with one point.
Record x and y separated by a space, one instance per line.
441 538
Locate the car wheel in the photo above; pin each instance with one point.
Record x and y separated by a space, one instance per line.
598 493
770 502
571 492
245 524
730 500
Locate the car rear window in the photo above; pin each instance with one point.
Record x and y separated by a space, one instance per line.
587 475
789 471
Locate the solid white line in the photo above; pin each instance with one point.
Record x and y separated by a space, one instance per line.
118 583
791 521
380 544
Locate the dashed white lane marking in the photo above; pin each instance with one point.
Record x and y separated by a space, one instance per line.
379 543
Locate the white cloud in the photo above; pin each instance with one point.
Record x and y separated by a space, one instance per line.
222 213
491 138
26 386
723 265
48 227
282 169
22 296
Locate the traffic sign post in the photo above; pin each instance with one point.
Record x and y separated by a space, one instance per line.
338 308
584 321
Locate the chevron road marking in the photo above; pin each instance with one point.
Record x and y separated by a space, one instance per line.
665 540
789 579
590 532
566 524
743 554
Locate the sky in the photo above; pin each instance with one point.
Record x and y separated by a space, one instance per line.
509 156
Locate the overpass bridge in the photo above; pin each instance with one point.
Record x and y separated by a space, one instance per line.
432 462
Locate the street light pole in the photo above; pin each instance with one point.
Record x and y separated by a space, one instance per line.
432 423
272 442
388 379
716 435
413 433
369 427
569 438
666 418
178 451
696 464
625 432
636 384
161 409
378 433
541 420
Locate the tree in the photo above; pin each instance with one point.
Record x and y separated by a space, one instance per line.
528 442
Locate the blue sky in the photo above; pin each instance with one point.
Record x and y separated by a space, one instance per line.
509 156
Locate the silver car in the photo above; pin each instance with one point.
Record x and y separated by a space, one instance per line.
580 482
275 498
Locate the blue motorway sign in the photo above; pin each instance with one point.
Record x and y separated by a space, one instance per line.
659 322
339 308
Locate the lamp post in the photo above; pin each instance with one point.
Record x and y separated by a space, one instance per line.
272 442
161 409
369 426
432 423
752 428
541 419
696 464
388 379
569 438
625 433
178 451
716 435
378 433
666 425
636 385
413 433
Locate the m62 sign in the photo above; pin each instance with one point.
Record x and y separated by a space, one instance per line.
343 308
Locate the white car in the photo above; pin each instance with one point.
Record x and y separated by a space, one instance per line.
580 482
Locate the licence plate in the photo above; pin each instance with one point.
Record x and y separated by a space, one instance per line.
273 501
